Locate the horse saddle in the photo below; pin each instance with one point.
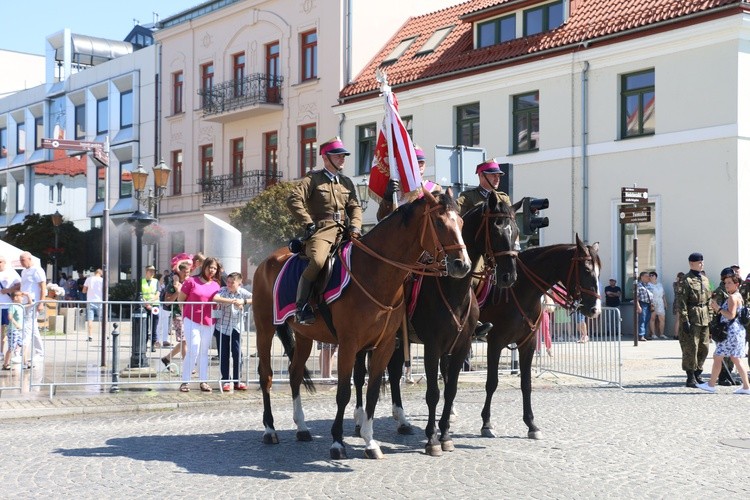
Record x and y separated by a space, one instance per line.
330 284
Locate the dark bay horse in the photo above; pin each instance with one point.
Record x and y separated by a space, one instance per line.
367 314
446 314
515 316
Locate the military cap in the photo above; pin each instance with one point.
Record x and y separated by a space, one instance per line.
333 147
727 271
420 154
695 257
489 167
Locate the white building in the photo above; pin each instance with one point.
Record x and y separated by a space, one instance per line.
247 89
28 71
585 97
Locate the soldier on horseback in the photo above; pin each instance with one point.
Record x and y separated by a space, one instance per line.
325 203
489 180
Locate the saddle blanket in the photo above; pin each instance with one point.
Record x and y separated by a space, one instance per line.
285 287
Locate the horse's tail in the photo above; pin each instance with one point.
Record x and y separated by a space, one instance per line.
286 336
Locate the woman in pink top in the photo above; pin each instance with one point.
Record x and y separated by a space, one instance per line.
198 291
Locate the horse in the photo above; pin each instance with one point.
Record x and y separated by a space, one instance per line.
368 312
515 318
445 316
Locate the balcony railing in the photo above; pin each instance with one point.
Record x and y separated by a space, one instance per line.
237 94
224 189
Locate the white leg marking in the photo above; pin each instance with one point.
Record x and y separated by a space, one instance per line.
399 415
299 415
359 416
366 432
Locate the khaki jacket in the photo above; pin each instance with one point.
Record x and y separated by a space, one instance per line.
473 197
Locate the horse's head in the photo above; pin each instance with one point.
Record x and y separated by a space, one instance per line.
490 230
441 234
584 281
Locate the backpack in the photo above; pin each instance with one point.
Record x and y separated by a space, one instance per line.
744 316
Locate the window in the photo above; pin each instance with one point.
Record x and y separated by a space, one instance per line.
177 172
238 63
436 39
408 122
496 31
20 197
544 18
272 71
176 242
207 162
467 125
100 173
4 199
126 109
20 138
38 132
126 179
237 164
207 81
647 250
526 122
399 50
52 194
3 142
271 160
59 187
638 104
308 147
80 122
366 137
102 116
309 55
178 79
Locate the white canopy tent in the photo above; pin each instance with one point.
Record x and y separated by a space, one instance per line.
13 255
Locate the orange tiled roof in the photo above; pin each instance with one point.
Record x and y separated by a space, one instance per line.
589 20
62 164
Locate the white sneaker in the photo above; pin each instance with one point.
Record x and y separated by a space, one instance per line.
705 387
742 391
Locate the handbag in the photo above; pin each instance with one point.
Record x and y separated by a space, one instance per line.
717 329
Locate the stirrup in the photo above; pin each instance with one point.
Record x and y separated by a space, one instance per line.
481 331
304 315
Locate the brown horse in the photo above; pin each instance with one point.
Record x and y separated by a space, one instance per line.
515 317
367 314
446 314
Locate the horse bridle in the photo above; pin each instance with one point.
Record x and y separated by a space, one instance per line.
490 256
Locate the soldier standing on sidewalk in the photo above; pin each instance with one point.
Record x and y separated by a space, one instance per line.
693 295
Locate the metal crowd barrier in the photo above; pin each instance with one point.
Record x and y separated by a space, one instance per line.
109 362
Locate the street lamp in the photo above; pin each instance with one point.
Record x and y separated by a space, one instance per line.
57 219
141 219
363 192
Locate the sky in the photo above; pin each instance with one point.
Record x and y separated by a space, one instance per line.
34 20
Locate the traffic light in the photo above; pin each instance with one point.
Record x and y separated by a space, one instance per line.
532 221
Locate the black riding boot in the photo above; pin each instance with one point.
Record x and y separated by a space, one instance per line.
304 314
691 379
481 331
698 378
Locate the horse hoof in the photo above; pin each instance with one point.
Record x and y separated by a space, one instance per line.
535 434
374 453
447 445
405 430
433 450
338 453
357 431
488 432
270 438
304 436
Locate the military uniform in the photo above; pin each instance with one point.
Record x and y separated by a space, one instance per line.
693 295
476 196
330 202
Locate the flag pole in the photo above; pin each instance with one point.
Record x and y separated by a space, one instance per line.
382 77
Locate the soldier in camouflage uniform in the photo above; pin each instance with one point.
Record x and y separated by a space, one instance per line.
489 179
325 203
693 295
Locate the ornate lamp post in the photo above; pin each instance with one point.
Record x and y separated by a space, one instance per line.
57 219
363 193
140 219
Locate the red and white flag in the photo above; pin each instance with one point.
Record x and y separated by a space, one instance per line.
394 155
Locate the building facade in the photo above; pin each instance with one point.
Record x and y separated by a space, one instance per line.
585 97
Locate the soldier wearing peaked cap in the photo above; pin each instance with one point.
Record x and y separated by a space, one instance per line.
489 180
325 204
693 295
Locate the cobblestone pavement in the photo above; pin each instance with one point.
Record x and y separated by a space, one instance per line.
653 439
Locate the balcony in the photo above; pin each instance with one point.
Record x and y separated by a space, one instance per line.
253 95
227 189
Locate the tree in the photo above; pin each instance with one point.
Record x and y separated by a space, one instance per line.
265 222
36 234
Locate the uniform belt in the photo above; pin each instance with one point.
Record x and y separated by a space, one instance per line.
336 216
